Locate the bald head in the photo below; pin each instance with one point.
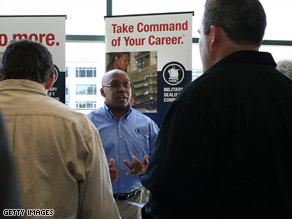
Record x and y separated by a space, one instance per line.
107 77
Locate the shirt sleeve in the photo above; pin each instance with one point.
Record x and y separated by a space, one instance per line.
153 136
180 163
97 197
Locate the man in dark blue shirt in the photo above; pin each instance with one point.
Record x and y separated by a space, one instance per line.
224 148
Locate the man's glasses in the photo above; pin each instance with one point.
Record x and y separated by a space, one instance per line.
118 85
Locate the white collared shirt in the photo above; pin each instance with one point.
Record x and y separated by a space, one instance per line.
60 161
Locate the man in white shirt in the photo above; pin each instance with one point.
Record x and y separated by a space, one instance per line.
59 158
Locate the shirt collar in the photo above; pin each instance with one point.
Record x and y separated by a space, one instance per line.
245 56
23 84
111 115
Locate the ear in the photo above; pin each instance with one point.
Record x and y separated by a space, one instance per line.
49 83
102 92
214 36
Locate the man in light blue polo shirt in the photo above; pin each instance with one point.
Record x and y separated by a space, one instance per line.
128 138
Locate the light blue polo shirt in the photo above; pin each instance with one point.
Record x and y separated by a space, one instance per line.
134 134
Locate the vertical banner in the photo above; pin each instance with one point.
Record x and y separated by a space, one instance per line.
156 51
48 30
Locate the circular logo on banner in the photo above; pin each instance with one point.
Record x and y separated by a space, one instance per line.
173 73
56 72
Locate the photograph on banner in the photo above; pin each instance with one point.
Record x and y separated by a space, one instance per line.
142 70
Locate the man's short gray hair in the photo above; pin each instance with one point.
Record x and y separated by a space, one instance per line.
285 66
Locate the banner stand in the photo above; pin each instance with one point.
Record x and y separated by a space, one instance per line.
46 29
159 49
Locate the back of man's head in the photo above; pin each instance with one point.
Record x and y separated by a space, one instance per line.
244 21
25 59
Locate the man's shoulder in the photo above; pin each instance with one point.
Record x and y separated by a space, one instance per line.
100 112
61 111
141 116
198 85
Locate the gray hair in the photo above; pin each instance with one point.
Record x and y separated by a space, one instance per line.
285 66
26 59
